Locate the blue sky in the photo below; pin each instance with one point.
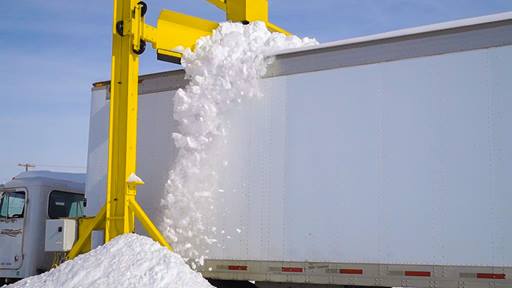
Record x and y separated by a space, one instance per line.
52 51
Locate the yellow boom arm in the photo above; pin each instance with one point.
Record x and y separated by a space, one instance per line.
187 29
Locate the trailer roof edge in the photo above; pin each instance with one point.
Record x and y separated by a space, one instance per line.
436 27
346 55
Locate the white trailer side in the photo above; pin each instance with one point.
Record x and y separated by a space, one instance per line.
382 160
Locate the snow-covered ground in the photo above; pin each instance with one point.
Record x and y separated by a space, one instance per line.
128 260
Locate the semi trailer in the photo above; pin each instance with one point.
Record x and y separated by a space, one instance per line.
378 161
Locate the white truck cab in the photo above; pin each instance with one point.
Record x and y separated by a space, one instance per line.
26 202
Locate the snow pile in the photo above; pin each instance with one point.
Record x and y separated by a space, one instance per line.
223 71
129 260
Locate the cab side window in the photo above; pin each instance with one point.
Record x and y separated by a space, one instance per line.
12 204
65 205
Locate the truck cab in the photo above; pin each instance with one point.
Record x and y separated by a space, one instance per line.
26 202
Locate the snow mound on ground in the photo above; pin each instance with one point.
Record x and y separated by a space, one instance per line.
128 260
223 70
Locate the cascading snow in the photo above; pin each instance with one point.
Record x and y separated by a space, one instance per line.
223 71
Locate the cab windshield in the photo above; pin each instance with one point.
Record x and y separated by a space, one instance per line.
12 204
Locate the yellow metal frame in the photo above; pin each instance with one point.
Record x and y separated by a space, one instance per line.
129 35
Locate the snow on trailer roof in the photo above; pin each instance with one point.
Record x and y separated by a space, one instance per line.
461 24
466 22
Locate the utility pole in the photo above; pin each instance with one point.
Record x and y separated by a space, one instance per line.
27 166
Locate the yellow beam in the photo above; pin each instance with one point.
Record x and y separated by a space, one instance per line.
247 10
221 4
274 28
123 123
147 224
150 34
169 56
85 228
175 30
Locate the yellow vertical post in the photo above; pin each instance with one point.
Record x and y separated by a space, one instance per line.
119 218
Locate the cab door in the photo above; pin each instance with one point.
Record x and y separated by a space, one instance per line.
12 218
